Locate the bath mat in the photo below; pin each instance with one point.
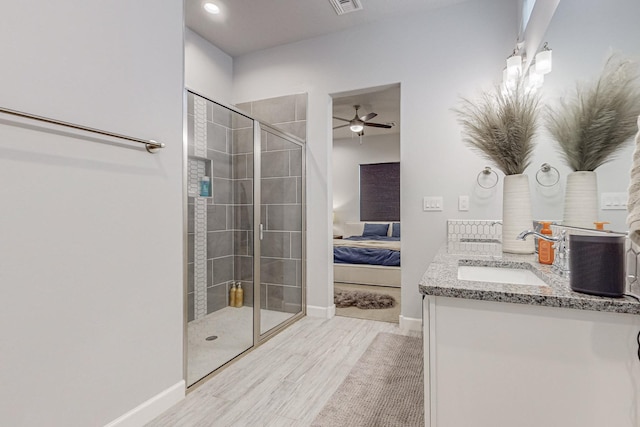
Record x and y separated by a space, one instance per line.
363 300
385 388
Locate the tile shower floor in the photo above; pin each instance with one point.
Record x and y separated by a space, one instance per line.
234 329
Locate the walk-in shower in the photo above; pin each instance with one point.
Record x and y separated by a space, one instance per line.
245 230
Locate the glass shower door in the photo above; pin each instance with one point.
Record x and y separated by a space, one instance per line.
220 236
281 228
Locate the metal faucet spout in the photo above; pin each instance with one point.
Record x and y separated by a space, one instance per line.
561 260
524 234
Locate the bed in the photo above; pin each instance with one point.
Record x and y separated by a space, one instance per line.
369 254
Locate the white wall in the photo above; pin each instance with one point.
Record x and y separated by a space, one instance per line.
208 70
435 57
91 250
348 155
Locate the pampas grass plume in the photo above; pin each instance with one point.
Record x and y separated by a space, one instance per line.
592 124
501 126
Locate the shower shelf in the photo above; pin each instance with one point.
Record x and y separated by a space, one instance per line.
193 180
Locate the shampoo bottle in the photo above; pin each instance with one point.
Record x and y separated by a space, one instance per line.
205 186
239 296
232 295
545 248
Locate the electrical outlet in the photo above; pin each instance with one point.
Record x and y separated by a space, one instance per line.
463 203
432 203
613 201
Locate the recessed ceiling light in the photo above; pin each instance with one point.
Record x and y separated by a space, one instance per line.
211 8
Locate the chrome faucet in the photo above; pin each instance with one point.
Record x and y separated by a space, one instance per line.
561 258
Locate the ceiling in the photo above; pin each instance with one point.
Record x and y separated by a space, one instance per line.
245 26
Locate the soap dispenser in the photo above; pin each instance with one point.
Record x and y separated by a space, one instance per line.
239 295
545 248
232 295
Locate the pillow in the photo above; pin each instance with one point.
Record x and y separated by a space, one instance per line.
395 231
375 229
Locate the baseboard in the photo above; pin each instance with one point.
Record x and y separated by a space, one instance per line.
150 409
410 324
324 312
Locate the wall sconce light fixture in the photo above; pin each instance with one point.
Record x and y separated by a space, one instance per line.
543 60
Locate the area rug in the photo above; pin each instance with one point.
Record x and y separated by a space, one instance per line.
385 388
363 300
391 315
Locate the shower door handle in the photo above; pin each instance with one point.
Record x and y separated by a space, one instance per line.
261 231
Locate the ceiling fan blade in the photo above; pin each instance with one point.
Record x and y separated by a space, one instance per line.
340 118
378 125
341 126
368 117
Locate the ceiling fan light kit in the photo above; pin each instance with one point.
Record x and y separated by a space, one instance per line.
357 124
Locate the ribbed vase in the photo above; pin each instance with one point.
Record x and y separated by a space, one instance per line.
516 214
581 199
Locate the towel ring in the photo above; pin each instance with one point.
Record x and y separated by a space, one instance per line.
546 168
485 172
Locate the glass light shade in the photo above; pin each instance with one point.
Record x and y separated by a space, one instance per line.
509 82
211 8
514 65
535 79
356 128
543 62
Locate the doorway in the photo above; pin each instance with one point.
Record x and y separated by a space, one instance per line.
366 203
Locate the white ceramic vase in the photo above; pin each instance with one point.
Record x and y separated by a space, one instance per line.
581 199
516 214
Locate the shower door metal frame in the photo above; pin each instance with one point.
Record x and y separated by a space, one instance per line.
258 126
258 338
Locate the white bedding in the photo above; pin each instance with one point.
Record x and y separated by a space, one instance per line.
378 244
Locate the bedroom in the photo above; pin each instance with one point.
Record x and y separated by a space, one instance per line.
366 203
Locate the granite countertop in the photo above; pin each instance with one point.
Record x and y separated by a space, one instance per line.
441 279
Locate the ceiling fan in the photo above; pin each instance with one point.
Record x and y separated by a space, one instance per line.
358 123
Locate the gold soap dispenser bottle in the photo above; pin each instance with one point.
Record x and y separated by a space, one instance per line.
239 295
232 295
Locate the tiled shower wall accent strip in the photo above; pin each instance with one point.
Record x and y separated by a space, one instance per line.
200 258
473 229
200 127
200 210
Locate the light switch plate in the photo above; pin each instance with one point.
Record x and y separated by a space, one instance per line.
432 203
613 201
463 203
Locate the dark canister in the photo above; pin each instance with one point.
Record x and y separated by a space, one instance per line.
597 265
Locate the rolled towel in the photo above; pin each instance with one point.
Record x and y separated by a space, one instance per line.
633 204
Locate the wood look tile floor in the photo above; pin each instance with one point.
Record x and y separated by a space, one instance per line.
284 382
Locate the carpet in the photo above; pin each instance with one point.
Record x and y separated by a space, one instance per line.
385 388
362 300
391 315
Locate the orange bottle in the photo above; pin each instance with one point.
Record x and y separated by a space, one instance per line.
545 248
600 224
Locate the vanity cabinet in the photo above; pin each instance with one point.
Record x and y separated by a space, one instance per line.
499 364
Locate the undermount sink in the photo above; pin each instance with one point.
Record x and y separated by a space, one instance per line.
496 274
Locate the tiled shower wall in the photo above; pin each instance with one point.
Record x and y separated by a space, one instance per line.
281 187
229 213
209 285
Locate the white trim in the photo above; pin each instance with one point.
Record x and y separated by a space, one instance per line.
325 312
150 409
410 324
